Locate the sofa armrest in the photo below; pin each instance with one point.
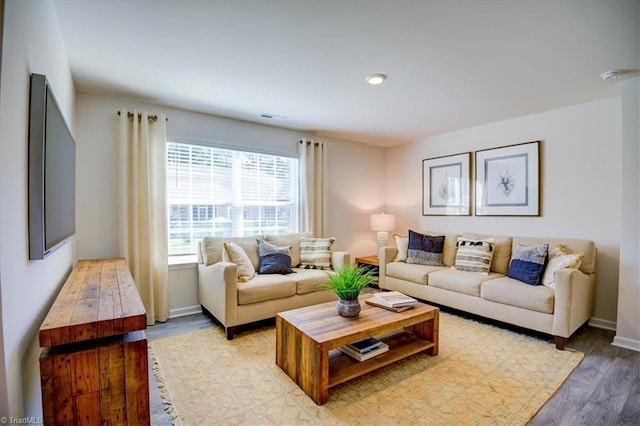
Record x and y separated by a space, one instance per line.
218 291
574 300
340 259
386 255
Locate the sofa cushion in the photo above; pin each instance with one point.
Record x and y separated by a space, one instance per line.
411 272
527 263
266 287
588 265
211 248
474 255
460 281
402 245
289 240
425 249
512 292
315 252
501 252
235 254
560 257
308 280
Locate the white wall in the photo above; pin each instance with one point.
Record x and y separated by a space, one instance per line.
32 43
628 322
356 179
580 183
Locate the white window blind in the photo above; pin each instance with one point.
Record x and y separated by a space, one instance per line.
227 193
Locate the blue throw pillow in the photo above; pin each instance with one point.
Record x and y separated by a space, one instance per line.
425 249
274 259
275 263
527 264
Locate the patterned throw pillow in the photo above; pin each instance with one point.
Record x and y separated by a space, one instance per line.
560 257
474 255
425 249
274 259
315 253
235 254
402 244
527 264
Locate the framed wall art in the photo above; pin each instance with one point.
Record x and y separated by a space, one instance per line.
445 185
508 180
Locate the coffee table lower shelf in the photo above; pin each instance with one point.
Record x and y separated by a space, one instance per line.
343 368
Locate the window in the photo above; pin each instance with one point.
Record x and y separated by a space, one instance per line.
227 193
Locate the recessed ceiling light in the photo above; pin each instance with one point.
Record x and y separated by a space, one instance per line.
375 79
610 75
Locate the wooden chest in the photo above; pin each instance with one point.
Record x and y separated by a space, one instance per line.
94 368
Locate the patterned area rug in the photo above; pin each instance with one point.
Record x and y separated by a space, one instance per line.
482 375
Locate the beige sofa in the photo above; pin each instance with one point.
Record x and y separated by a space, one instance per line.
234 303
557 311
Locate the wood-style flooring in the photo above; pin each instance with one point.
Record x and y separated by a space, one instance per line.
603 390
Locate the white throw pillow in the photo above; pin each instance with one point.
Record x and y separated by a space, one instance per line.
474 255
560 257
402 244
235 254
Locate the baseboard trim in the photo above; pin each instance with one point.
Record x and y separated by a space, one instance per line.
601 323
626 343
183 312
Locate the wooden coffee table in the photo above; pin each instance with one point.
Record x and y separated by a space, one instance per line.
307 340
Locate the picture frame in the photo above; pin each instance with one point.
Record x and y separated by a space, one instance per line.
508 180
446 185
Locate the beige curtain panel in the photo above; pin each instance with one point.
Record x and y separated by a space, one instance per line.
141 145
313 188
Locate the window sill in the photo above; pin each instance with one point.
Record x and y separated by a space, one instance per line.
180 262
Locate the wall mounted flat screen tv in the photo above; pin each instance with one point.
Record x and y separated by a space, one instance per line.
52 173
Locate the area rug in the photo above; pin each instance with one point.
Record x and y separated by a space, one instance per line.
482 375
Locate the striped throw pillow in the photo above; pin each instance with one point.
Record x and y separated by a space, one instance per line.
315 253
474 255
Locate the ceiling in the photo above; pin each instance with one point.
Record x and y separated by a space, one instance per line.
450 64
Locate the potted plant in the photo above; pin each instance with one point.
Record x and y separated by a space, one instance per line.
347 282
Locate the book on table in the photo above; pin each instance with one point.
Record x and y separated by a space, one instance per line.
366 345
364 356
393 299
372 302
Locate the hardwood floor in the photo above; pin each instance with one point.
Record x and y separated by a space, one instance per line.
603 390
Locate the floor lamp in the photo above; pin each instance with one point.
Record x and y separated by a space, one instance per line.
382 224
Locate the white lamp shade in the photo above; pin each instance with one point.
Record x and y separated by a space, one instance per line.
382 222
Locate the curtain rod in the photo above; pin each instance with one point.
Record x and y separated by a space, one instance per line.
151 117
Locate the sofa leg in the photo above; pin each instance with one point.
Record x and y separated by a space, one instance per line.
230 332
561 342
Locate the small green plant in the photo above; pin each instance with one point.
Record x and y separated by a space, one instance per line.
348 281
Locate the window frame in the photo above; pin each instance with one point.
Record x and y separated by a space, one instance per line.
174 258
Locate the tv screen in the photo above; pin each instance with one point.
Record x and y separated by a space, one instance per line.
52 173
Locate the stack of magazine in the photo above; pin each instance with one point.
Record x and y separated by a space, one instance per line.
365 349
392 300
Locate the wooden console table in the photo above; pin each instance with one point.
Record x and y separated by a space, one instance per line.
94 365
